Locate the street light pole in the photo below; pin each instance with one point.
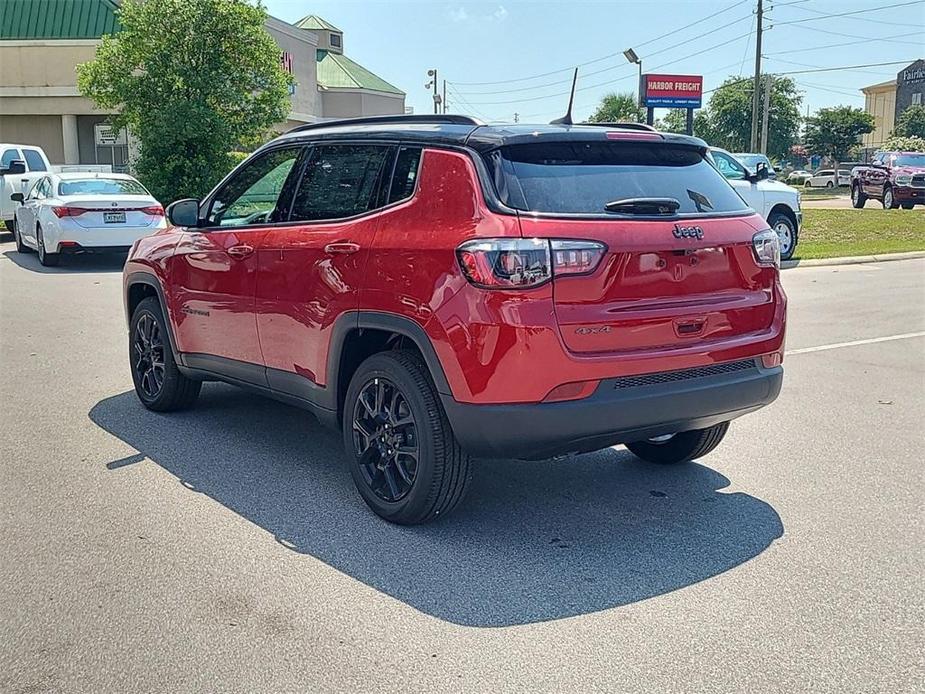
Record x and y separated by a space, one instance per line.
631 57
432 82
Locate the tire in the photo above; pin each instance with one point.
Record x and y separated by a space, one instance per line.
383 476
858 199
10 225
830 184
682 447
172 391
46 259
786 232
888 202
20 246
908 205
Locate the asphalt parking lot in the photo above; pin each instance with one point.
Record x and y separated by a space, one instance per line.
225 548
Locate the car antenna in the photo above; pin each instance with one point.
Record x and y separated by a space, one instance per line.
567 118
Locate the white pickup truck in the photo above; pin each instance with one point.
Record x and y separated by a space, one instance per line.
20 165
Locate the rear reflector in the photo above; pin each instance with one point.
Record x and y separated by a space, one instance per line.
571 391
68 211
769 361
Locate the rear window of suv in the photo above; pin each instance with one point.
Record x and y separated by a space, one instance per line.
582 177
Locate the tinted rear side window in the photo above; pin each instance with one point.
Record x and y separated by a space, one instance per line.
339 181
406 173
582 177
34 160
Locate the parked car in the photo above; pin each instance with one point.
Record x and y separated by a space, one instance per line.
825 178
751 161
440 289
84 213
776 202
896 179
19 166
799 176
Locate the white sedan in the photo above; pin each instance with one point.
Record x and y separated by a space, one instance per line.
84 213
825 178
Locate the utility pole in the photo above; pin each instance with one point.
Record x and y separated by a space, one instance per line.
766 112
755 94
432 82
516 117
443 104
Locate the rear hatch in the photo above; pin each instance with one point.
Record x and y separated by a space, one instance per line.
679 265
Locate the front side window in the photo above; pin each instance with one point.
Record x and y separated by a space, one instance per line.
9 155
589 178
38 190
340 181
34 160
253 195
729 166
909 160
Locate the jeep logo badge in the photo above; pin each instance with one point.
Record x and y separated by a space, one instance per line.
687 232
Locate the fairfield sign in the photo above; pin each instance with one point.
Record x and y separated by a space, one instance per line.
672 91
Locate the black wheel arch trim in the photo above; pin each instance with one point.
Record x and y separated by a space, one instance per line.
151 280
378 320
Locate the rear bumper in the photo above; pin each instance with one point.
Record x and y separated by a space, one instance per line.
620 410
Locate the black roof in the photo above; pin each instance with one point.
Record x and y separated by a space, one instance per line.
466 131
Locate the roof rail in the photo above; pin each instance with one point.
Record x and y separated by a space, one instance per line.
626 126
446 119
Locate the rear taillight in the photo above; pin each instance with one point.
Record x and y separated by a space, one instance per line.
575 257
153 210
68 211
766 246
509 263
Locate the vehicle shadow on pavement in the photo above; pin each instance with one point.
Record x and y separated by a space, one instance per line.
532 542
111 262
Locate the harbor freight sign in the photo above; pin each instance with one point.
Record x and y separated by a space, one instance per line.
672 91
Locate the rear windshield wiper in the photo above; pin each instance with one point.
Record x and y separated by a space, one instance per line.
644 206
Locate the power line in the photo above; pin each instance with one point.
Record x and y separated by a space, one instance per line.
848 36
793 62
838 45
610 55
848 14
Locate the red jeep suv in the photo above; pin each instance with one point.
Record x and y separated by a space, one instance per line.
440 289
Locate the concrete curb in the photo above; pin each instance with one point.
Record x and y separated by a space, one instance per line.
851 260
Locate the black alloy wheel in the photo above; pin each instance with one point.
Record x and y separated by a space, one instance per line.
385 439
148 356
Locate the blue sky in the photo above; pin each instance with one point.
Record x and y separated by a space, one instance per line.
479 42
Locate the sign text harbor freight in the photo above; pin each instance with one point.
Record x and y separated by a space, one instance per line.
673 91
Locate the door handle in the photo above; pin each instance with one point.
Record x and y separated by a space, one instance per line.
342 248
241 251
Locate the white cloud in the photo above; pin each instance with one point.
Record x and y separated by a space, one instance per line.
498 15
459 14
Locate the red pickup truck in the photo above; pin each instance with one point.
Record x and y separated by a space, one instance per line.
896 179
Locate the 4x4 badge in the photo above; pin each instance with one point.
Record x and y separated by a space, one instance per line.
687 232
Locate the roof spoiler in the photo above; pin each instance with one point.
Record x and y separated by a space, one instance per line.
410 119
625 126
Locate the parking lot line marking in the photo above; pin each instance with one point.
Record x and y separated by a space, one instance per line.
869 341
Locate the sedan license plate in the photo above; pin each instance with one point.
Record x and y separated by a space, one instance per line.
114 217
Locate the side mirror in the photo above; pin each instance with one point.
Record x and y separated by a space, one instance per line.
184 213
17 166
761 172
17 197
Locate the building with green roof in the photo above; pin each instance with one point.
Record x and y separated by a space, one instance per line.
42 42
346 87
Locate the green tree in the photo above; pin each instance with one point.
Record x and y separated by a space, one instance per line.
904 144
834 132
911 122
617 108
729 114
192 80
675 121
